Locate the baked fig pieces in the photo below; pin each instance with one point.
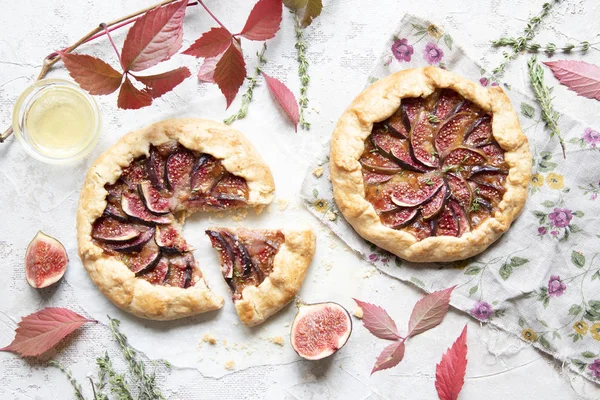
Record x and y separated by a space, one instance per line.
45 261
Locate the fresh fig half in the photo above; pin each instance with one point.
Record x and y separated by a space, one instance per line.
134 174
452 131
447 223
112 230
170 240
411 108
133 206
157 274
178 171
155 166
143 261
422 142
133 245
433 207
397 149
460 190
45 261
398 123
480 133
399 218
464 156
206 173
448 103
374 178
415 192
374 162
154 201
319 330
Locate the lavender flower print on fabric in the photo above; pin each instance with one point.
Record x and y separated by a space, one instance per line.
560 217
402 50
595 368
433 54
591 137
556 287
482 311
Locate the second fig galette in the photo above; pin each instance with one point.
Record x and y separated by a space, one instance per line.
429 165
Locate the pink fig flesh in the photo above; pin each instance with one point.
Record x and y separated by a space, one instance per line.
45 261
319 330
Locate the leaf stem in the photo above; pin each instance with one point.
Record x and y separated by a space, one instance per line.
302 70
103 26
247 97
211 14
76 386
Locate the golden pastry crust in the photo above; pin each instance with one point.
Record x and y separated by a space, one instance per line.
113 277
289 269
381 100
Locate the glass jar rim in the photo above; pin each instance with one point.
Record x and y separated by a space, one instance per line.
24 102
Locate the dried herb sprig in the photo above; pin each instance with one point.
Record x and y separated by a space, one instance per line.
117 382
76 386
302 70
247 97
549 48
544 99
518 44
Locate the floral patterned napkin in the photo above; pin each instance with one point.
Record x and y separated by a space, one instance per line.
541 280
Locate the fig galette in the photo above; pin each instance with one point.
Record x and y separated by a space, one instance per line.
429 165
134 200
263 268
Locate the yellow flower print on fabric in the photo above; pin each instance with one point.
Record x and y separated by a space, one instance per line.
537 180
529 335
555 181
321 205
581 327
595 331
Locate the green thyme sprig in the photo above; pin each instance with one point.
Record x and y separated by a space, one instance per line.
544 99
76 386
549 48
116 381
302 71
252 80
146 382
519 44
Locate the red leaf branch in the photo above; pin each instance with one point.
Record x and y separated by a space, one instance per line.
450 372
263 21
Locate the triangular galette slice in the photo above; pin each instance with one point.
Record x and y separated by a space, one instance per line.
264 268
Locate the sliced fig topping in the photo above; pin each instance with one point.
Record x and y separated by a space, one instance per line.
45 261
180 271
168 148
319 330
375 162
470 107
447 223
374 178
464 225
485 170
494 153
433 207
134 174
115 190
113 230
131 246
464 156
417 191
226 253
420 228
133 206
448 103
411 108
206 173
421 141
170 240
143 261
451 133
489 177
113 209
460 190
398 123
157 274
178 170
399 218
488 192
155 165
243 263
154 201
397 149
481 132
231 188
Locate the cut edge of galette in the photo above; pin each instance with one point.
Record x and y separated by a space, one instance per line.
136 197
264 268
429 165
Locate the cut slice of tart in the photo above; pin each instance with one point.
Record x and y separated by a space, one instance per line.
264 268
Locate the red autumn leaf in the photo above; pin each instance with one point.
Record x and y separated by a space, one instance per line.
131 98
429 311
579 76
450 372
91 73
312 11
378 322
230 72
206 73
41 331
285 98
210 44
389 357
156 36
159 84
263 21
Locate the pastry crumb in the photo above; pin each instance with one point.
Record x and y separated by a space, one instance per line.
328 266
331 215
210 339
318 172
240 214
358 312
229 365
282 204
225 344
278 340
369 272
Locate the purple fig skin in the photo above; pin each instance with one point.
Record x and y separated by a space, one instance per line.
400 218
434 206
206 173
46 261
132 246
108 229
155 165
143 261
153 200
170 240
226 255
133 206
157 274
305 309
422 134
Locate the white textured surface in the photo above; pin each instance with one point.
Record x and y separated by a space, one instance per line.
343 43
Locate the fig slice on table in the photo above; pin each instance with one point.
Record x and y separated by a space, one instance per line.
180 271
399 218
155 166
319 330
374 178
460 190
447 223
452 131
206 173
374 162
134 174
154 201
433 207
131 246
112 230
422 142
464 156
480 133
447 104
170 239
144 260
178 168
133 206
411 108
157 274
395 148
45 261
415 192
462 217
398 123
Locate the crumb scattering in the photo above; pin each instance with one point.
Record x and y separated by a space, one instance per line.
358 312
318 172
210 339
229 365
282 204
278 340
